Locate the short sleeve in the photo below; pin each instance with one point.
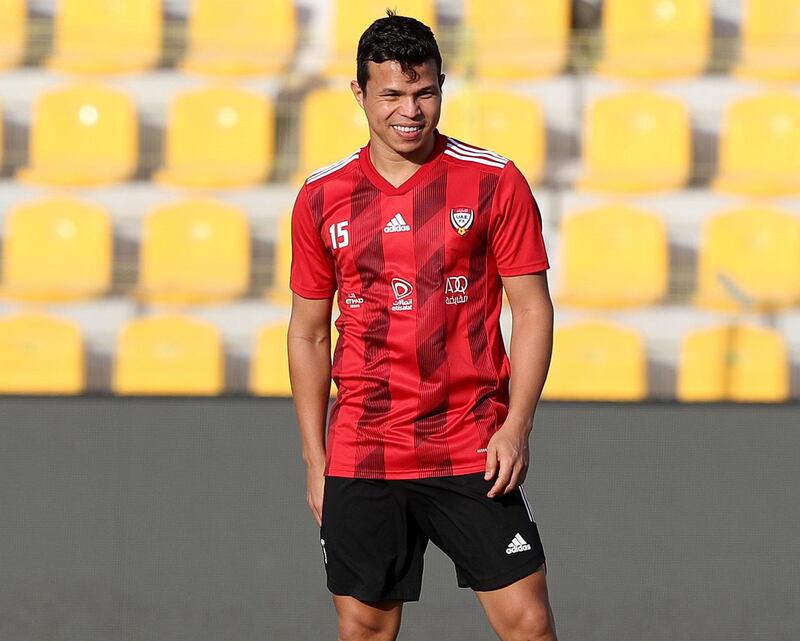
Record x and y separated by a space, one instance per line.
312 273
515 226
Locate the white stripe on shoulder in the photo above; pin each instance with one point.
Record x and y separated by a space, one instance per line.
450 151
329 169
471 149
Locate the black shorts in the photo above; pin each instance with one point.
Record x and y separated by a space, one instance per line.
374 533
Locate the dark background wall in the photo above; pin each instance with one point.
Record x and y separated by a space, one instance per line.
185 519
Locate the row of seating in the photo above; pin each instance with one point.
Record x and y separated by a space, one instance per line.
171 354
634 141
641 38
196 251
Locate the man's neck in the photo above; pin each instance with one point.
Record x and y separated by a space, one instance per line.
397 168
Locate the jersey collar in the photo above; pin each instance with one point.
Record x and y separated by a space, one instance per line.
424 169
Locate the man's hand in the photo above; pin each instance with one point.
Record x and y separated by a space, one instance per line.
507 452
315 479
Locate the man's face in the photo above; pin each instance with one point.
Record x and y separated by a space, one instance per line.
402 114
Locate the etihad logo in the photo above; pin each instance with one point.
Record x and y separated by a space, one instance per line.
396 224
456 290
353 301
402 295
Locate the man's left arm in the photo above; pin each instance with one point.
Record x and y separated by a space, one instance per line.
531 348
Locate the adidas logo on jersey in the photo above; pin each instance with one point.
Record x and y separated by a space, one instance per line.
397 224
518 544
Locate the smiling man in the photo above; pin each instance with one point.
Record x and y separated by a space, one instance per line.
417 234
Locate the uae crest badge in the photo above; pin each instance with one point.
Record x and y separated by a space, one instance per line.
461 218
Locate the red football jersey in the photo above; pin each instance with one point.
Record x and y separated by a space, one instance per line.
420 365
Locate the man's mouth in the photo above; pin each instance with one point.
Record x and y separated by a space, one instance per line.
408 131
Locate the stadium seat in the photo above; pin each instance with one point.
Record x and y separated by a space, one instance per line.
523 41
741 363
240 37
194 251
758 147
352 17
279 292
324 111
636 141
81 136
168 355
613 256
237 145
269 365
770 35
106 36
13 23
40 354
510 124
750 258
56 249
597 360
655 39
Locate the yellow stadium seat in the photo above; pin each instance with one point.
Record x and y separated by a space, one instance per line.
596 360
324 111
770 34
168 355
750 257
269 366
240 37
508 123
13 21
40 354
1 136
236 146
525 40
82 136
613 256
279 291
352 17
194 251
758 147
636 141
655 38
739 363
56 249
106 36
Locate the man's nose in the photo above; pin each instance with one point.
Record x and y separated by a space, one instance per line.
409 106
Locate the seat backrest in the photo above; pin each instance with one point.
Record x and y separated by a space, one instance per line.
168 355
597 360
40 354
750 257
507 123
737 362
324 111
84 125
637 134
613 256
57 248
194 250
771 24
761 135
269 366
238 131
13 23
525 39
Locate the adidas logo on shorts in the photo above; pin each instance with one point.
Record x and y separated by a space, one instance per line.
518 544
396 224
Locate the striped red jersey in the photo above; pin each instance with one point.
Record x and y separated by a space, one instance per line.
420 365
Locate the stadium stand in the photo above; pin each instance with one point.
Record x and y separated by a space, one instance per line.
57 248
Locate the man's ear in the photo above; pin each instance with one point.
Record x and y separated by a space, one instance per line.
356 89
441 81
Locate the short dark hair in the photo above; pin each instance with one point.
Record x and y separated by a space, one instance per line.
400 38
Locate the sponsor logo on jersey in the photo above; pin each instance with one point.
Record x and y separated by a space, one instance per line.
396 224
353 301
456 290
518 544
402 295
461 218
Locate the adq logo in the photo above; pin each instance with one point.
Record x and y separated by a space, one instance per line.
456 290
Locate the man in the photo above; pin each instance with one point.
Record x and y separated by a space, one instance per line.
417 234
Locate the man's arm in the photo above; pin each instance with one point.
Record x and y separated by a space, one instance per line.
309 350
531 348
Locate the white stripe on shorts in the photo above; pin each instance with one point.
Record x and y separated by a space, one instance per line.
525 501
